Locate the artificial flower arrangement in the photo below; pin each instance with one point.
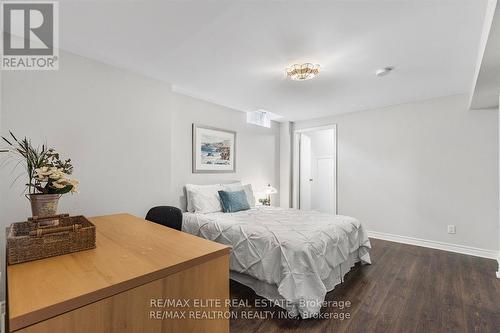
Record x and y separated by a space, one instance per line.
52 177
48 175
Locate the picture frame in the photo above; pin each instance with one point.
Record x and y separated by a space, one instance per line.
214 150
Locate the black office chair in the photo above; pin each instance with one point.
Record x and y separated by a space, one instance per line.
167 216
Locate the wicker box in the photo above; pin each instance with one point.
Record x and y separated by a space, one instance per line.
32 240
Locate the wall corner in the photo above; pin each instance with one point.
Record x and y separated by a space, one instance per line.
285 164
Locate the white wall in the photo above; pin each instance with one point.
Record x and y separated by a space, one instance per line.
498 256
2 195
305 158
285 172
257 148
113 124
412 169
129 137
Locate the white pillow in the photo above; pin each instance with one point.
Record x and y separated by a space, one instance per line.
250 196
203 198
189 207
247 188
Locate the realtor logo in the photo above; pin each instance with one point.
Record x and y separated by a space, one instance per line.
30 35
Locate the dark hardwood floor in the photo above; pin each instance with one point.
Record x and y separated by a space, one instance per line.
406 289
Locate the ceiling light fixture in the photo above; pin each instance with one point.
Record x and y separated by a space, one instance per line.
384 71
302 72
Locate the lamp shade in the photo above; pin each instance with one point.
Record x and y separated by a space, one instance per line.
270 190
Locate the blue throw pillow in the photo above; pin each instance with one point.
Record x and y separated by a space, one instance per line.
233 201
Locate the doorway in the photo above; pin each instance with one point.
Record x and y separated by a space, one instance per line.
315 182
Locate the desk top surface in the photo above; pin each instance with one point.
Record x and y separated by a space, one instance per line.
129 252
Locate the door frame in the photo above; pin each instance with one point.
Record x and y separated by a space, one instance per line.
296 163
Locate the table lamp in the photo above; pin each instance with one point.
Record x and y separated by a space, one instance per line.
269 190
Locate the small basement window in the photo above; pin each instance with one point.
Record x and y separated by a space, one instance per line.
259 118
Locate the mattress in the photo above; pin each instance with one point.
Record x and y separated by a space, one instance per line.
293 257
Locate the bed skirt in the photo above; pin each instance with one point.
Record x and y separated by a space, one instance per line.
306 308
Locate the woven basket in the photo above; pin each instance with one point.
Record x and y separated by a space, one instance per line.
31 240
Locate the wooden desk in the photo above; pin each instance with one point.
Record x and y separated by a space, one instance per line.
109 289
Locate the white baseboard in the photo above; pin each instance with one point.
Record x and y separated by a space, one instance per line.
473 251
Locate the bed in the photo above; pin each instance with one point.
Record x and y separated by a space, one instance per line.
291 257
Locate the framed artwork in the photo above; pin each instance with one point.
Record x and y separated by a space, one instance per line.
214 150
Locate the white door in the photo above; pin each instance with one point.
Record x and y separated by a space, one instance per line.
323 185
315 169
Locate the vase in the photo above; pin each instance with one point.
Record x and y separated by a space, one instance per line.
44 204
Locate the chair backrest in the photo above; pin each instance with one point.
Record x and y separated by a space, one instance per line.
166 215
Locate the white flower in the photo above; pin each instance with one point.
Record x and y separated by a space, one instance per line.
55 176
75 184
63 181
59 186
58 175
43 171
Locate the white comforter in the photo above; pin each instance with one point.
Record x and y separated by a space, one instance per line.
303 253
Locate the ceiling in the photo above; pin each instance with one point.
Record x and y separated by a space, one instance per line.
234 52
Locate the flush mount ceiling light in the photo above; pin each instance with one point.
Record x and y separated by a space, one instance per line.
302 72
384 71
